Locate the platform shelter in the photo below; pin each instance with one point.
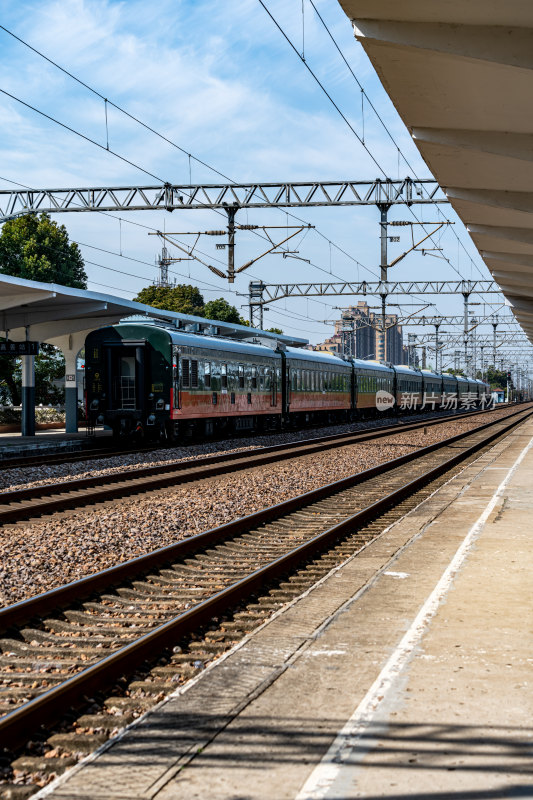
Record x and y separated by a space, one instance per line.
32 312
460 75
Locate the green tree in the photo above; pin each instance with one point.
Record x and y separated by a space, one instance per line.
222 310
49 367
274 330
182 298
496 378
38 249
454 371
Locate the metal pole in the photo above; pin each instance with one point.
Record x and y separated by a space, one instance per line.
494 326
255 303
437 326
466 295
384 265
473 353
231 212
384 326
383 237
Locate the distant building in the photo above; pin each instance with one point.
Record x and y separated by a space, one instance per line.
358 334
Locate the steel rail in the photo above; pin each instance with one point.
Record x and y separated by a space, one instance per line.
43 709
68 456
24 610
91 453
52 497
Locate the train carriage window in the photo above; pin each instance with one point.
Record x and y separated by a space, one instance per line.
241 376
185 373
254 377
207 374
194 374
299 380
224 376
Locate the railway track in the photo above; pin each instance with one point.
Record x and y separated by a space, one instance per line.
94 453
71 457
72 643
34 501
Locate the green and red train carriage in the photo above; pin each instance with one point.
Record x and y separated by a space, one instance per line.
148 377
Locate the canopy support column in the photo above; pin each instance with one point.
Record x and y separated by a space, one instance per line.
71 392
28 395
70 346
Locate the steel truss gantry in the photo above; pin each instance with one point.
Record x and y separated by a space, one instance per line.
260 294
170 197
270 292
424 319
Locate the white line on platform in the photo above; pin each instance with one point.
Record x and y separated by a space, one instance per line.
323 777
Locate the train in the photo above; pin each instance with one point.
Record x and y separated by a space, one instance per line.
146 378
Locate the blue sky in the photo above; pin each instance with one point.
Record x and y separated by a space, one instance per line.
218 79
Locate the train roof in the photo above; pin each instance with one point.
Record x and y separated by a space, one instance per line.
403 369
364 363
219 343
321 357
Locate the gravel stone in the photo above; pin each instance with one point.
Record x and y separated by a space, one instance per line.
38 557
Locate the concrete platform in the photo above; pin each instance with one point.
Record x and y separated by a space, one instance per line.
46 441
407 673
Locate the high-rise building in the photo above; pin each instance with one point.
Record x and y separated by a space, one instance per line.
358 334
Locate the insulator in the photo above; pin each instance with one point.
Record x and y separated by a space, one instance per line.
247 227
400 222
215 233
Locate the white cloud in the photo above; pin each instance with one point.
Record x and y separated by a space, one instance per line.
218 79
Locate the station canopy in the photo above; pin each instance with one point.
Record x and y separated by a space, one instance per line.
460 73
47 312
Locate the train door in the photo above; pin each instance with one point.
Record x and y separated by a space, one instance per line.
176 394
274 386
126 371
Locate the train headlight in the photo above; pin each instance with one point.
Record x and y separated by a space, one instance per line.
151 420
100 419
95 404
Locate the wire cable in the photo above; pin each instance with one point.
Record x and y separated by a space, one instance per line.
156 133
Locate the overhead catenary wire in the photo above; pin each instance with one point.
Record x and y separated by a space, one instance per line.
365 95
359 138
148 127
174 144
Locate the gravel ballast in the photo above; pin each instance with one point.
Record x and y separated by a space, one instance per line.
42 556
35 475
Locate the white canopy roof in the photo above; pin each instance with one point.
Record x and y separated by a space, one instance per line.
460 73
46 312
